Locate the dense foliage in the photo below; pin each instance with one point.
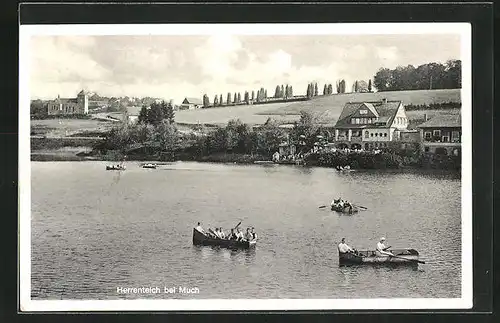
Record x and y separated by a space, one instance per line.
423 77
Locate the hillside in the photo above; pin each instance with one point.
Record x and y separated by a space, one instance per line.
328 106
333 104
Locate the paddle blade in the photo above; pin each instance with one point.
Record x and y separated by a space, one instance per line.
322 206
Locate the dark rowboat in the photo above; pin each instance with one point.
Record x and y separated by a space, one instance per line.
338 208
116 167
201 239
152 166
401 256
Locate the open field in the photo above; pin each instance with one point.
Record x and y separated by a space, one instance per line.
67 127
334 103
329 107
250 114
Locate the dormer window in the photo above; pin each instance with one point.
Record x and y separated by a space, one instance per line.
363 111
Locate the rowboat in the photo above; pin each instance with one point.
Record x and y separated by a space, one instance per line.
149 165
115 167
401 256
204 240
340 209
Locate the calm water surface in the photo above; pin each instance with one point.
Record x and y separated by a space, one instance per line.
95 230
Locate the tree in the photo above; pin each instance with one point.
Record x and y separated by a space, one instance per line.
282 91
166 136
369 85
277 91
309 92
235 98
290 94
265 93
239 97
253 95
247 97
168 111
155 114
315 89
356 86
269 137
228 101
216 100
206 101
325 90
38 107
143 115
330 89
220 100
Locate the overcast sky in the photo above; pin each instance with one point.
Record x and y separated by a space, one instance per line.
173 67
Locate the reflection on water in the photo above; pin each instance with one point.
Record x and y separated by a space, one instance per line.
95 230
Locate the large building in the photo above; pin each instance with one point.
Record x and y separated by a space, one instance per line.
442 135
69 106
368 125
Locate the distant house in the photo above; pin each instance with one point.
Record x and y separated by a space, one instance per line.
442 135
191 103
133 114
68 106
369 125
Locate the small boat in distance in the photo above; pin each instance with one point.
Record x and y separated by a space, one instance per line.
201 239
116 167
338 208
150 165
401 257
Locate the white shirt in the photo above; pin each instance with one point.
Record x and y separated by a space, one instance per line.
200 229
344 248
380 246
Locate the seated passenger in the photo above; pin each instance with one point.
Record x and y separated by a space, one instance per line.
200 229
222 234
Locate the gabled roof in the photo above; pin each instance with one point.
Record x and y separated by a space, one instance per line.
386 112
65 100
443 121
192 101
83 92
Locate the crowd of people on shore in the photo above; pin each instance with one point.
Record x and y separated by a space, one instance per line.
235 234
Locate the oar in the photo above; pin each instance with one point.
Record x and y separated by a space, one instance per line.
419 261
360 206
322 206
237 225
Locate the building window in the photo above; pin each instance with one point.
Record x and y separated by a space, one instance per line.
385 134
363 111
427 135
436 133
376 134
371 135
455 136
367 134
446 139
352 121
426 149
366 146
376 144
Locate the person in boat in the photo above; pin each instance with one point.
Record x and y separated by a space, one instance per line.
222 234
254 235
240 236
233 235
217 233
344 248
248 235
382 249
200 229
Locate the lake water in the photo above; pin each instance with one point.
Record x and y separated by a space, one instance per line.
95 230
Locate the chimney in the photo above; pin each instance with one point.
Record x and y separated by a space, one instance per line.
384 100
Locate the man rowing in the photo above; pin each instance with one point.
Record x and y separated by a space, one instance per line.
382 249
248 235
344 248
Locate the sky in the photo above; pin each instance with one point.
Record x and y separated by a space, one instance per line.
175 66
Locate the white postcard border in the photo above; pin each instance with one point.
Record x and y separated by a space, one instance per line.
27 304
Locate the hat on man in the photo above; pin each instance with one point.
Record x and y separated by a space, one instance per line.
382 239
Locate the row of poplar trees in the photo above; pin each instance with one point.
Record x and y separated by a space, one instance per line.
258 96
